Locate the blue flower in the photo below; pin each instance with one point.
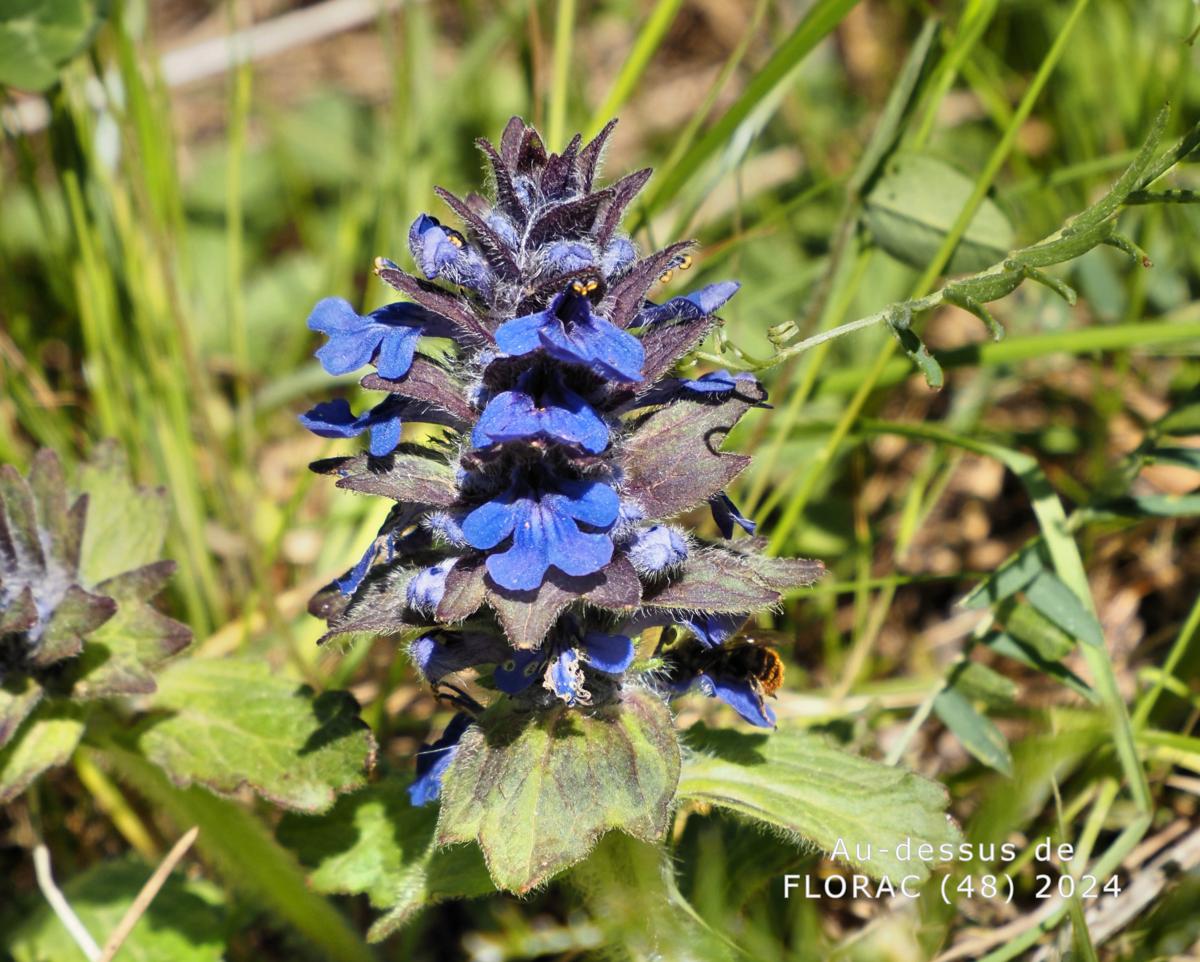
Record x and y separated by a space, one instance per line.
567 257
618 256
656 549
702 303
568 331
740 695
334 419
348 583
560 665
541 514
388 335
713 385
444 253
540 406
425 588
726 514
433 760
448 653
712 630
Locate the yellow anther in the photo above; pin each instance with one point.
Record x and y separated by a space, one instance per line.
665 276
685 262
578 288
455 240
591 286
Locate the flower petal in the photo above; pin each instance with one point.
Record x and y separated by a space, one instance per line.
519 672
564 677
592 502
741 696
523 566
608 653
520 335
726 514
493 521
433 760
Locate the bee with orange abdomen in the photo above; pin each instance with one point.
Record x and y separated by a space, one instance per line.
744 659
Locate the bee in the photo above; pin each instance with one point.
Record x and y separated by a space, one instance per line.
744 658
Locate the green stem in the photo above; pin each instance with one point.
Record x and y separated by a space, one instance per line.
629 889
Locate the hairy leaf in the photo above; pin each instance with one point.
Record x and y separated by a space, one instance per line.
375 842
803 785
537 790
44 740
664 344
19 695
528 615
126 524
411 474
673 461
122 655
464 592
713 580
235 722
426 382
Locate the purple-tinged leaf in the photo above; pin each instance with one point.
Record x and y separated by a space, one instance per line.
506 192
492 245
625 298
433 298
623 193
560 169
673 462
589 157
405 475
464 592
715 581
510 141
426 381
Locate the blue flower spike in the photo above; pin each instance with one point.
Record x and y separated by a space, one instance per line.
551 450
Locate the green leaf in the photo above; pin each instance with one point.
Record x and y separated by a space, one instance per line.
978 681
1032 628
235 722
186 921
376 842
122 655
19 695
1183 457
126 524
916 201
537 790
1050 595
249 859
1154 506
436 875
976 732
1013 575
803 785
39 36
45 739
1005 644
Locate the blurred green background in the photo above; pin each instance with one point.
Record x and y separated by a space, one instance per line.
167 220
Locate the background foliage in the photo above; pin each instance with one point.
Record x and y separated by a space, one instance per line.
161 243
